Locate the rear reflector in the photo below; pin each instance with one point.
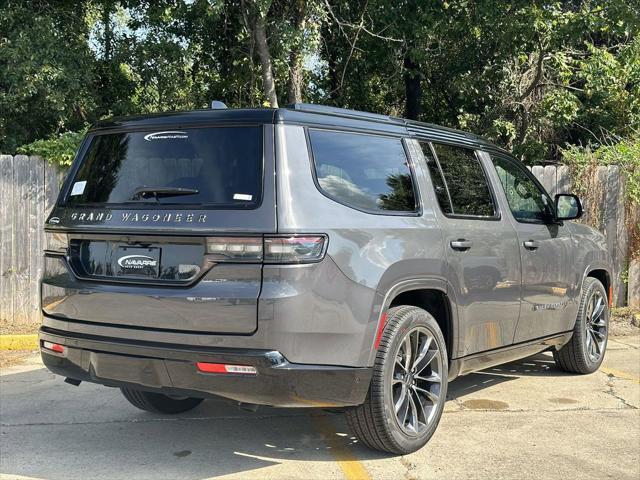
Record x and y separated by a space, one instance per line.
55 347
610 296
225 368
381 324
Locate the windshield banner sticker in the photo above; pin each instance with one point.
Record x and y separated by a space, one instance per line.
170 135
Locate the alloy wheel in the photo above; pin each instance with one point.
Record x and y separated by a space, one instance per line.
596 326
416 381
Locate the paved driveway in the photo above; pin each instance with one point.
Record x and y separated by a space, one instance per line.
521 420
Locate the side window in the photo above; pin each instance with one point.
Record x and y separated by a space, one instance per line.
439 186
466 182
366 172
527 201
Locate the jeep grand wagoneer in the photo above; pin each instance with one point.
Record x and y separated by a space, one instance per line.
311 256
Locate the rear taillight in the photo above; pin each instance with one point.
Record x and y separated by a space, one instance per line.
271 249
235 249
294 249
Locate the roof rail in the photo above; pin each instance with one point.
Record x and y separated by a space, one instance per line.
342 112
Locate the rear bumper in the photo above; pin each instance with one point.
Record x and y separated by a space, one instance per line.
171 369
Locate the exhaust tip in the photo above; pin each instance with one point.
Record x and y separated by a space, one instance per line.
248 407
72 381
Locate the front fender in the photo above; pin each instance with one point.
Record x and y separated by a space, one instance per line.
590 252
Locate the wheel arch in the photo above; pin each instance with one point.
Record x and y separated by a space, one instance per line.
601 273
430 294
436 303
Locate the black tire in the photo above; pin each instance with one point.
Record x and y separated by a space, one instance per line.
374 423
575 356
159 403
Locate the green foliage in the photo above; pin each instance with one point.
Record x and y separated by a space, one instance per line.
624 153
401 197
536 77
46 79
59 149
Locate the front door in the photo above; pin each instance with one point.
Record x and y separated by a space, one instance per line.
481 249
545 250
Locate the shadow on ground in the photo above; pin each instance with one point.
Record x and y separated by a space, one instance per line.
541 364
55 431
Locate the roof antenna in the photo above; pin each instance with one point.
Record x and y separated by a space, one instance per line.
217 104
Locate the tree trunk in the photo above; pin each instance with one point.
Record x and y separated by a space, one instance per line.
329 46
294 90
413 87
294 87
259 32
107 9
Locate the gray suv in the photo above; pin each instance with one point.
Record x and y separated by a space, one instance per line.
312 256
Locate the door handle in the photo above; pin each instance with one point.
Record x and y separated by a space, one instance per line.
530 244
461 244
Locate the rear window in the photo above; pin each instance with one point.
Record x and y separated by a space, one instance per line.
366 172
219 166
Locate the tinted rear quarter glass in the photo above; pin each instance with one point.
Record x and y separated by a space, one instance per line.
436 178
466 181
366 172
224 165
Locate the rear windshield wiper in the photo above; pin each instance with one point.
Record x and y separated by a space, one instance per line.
157 192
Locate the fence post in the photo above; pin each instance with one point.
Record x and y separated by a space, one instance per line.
633 286
7 214
563 180
614 209
549 180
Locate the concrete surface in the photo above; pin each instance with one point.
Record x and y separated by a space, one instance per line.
521 420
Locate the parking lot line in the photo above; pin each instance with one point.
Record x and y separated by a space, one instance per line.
620 374
352 468
18 342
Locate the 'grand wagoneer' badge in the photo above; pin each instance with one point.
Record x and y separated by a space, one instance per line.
136 217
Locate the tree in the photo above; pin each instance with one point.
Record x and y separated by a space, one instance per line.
296 75
532 76
255 12
46 74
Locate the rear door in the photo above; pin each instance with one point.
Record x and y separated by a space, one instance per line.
146 213
481 248
545 249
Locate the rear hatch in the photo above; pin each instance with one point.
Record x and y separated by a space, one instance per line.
138 212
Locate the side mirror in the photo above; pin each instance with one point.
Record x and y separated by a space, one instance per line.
568 206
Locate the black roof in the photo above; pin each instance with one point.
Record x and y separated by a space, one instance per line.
300 114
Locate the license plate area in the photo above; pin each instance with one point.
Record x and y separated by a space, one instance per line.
141 262
179 261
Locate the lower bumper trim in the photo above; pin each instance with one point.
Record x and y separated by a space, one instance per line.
172 370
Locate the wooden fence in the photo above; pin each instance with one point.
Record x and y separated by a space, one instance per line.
29 187
28 190
605 209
